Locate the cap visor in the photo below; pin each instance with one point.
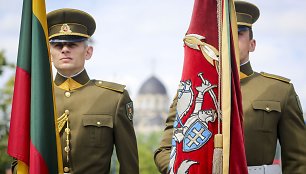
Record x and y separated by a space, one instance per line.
243 28
67 39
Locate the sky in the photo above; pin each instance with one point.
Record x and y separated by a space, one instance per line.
136 39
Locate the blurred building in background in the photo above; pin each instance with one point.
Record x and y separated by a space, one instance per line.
151 106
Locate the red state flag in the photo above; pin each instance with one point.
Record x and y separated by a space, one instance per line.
206 79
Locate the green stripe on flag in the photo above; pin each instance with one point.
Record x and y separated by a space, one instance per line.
42 111
24 49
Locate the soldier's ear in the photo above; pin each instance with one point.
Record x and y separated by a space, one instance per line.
252 45
89 51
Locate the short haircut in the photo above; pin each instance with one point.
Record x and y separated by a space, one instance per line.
251 33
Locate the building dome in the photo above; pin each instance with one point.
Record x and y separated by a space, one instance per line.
152 86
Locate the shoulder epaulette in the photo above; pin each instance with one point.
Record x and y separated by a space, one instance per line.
110 85
272 76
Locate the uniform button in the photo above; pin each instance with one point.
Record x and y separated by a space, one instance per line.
67 112
98 123
267 108
66 169
67 149
67 94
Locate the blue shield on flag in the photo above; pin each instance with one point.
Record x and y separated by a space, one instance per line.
196 136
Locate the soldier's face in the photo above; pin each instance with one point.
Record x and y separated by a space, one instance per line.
69 57
246 45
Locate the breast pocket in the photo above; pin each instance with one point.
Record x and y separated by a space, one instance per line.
97 129
268 114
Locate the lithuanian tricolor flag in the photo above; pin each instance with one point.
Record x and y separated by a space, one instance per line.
33 140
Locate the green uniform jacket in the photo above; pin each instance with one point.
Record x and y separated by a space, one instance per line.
271 111
100 116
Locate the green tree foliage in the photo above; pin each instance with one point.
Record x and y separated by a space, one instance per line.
5 159
4 63
147 144
6 93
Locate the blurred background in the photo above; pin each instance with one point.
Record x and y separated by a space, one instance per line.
139 43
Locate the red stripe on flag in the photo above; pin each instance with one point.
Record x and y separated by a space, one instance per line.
18 145
38 164
238 163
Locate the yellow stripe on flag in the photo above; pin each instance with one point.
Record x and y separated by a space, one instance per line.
228 24
233 21
22 168
226 86
39 10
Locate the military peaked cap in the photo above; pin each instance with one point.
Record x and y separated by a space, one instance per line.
247 13
70 25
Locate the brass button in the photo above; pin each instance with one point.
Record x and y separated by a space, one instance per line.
67 94
267 108
66 169
98 123
67 112
67 149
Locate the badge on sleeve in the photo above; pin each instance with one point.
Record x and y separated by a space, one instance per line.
129 110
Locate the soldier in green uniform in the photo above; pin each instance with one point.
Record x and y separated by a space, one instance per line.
93 115
271 111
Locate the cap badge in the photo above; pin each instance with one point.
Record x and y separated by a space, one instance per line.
65 29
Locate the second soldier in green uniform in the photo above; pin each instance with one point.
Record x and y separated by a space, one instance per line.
271 111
